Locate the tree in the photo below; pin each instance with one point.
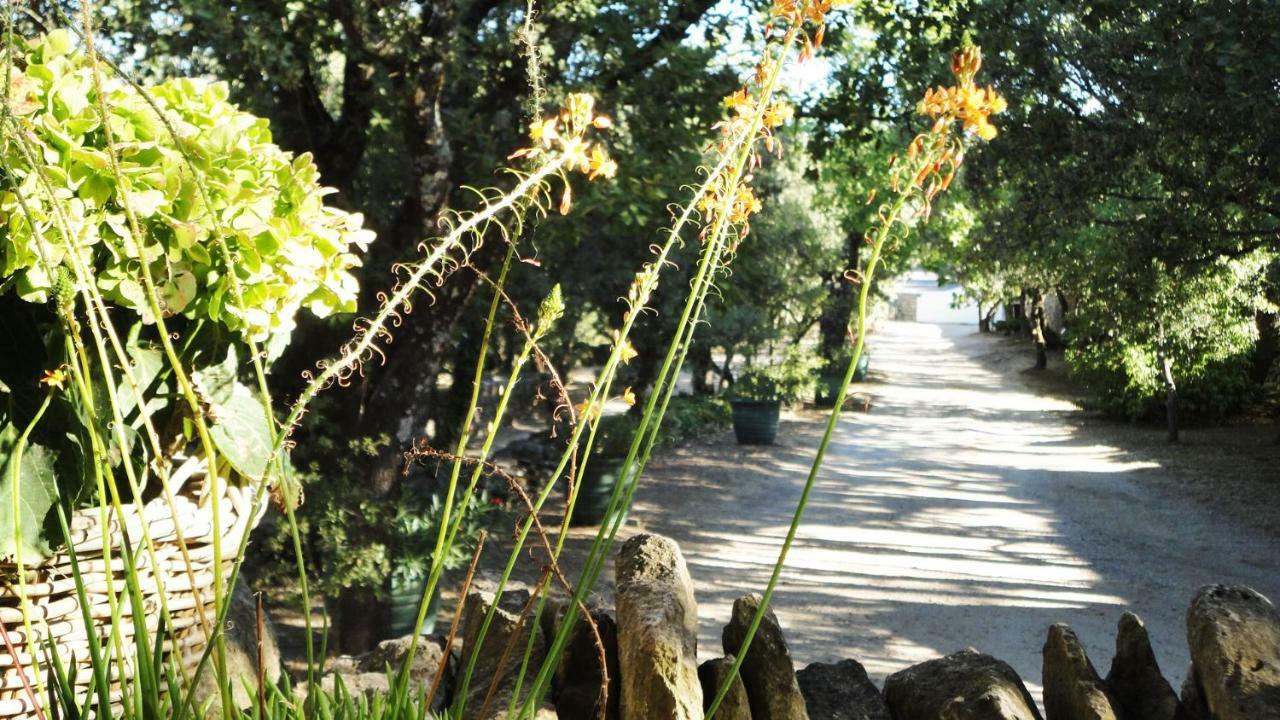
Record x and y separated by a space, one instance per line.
403 103
773 293
1136 139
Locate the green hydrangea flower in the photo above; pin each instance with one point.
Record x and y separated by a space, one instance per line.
289 250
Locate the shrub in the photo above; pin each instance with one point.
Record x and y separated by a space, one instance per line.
688 417
1125 380
691 416
789 380
190 197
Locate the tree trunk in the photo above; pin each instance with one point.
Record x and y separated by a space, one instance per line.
984 320
1170 387
833 323
400 395
1038 336
702 365
1267 348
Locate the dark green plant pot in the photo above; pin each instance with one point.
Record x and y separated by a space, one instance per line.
404 608
864 367
825 395
755 422
829 385
597 482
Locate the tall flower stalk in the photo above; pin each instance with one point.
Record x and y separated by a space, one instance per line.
931 162
725 203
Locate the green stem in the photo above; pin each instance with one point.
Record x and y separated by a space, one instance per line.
677 348
877 248
603 381
356 351
448 531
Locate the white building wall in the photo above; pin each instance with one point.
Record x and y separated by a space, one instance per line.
917 297
935 307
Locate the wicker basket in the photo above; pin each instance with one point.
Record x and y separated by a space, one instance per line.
185 579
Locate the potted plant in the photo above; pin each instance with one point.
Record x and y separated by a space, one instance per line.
416 528
758 394
598 479
832 375
146 284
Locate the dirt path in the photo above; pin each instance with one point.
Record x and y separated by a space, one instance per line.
964 509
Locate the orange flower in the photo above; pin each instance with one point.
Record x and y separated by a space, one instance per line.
628 353
544 132
588 410
965 101
739 102
566 200
579 110
599 164
966 62
55 378
777 114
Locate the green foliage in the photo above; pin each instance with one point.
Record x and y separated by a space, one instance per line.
333 519
789 381
776 287
265 205
417 524
185 191
836 361
27 487
341 517
1136 135
241 427
1202 320
688 417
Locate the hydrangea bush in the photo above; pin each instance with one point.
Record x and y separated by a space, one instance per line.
259 205
233 234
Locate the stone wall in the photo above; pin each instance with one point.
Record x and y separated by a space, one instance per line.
651 653
904 307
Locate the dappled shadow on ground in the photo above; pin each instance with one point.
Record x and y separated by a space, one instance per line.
962 510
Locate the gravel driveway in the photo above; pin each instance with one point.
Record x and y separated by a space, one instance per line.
963 510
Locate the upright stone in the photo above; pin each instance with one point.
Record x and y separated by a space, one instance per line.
841 691
1072 688
1135 680
736 704
767 670
657 632
966 685
1234 636
492 670
365 676
1190 704
579 677
243 643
